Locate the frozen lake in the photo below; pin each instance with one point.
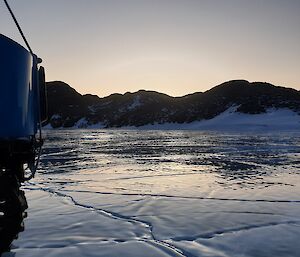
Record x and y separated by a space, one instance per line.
164 193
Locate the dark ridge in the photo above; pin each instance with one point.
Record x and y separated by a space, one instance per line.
67 106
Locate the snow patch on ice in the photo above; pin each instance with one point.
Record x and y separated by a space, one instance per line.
273 119
83 124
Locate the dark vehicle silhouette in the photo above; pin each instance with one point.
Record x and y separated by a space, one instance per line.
22 113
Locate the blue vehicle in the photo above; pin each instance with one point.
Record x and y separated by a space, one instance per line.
23 110
22 106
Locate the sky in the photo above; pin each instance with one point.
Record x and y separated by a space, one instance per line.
171 46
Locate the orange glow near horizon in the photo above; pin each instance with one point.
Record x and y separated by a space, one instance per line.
170 46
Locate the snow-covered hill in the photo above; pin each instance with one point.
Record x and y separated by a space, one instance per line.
231 104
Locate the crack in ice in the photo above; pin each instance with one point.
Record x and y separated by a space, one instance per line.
233 230
185 197
117 216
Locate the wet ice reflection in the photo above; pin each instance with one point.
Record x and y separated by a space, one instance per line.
164 161
174 193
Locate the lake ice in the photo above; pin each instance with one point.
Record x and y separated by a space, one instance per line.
164 193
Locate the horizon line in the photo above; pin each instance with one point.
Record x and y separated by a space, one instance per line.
149 90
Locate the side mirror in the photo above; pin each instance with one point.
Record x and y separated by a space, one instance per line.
43 96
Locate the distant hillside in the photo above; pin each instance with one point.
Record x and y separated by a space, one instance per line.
68 108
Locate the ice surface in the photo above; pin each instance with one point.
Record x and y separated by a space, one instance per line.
164 193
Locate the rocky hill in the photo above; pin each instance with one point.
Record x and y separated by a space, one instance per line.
68 108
